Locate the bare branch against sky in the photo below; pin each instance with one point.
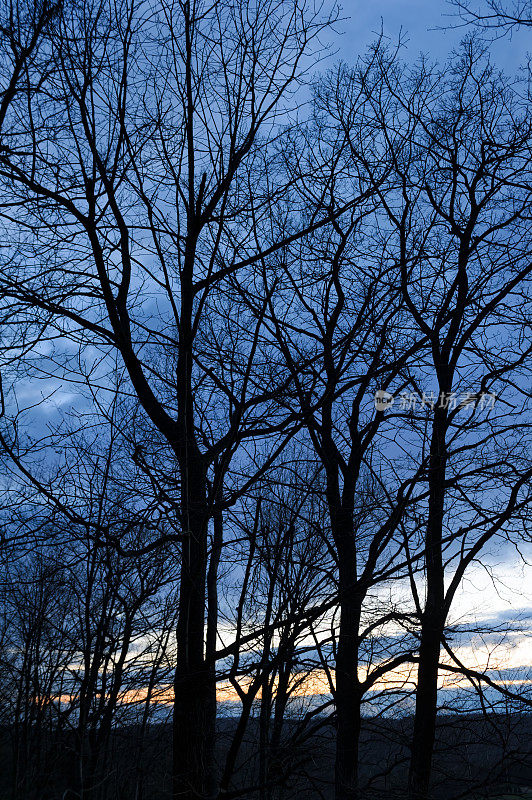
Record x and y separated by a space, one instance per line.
265 388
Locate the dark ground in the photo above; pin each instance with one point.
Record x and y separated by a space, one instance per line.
476 757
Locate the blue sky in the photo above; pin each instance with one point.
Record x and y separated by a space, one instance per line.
425 27
499 587
425 24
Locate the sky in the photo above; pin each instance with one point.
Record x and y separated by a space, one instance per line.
427 26
502 587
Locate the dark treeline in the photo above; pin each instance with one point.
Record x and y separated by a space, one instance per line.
265 358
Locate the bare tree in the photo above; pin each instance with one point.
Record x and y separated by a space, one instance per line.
287 575
495 15
337 318
133 165
461 157
216 286
35 647
88 632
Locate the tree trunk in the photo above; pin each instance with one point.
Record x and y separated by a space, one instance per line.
264 738
426 707
194 720
433 619
347 704
348 694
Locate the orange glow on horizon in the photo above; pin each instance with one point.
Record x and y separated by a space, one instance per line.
315 684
